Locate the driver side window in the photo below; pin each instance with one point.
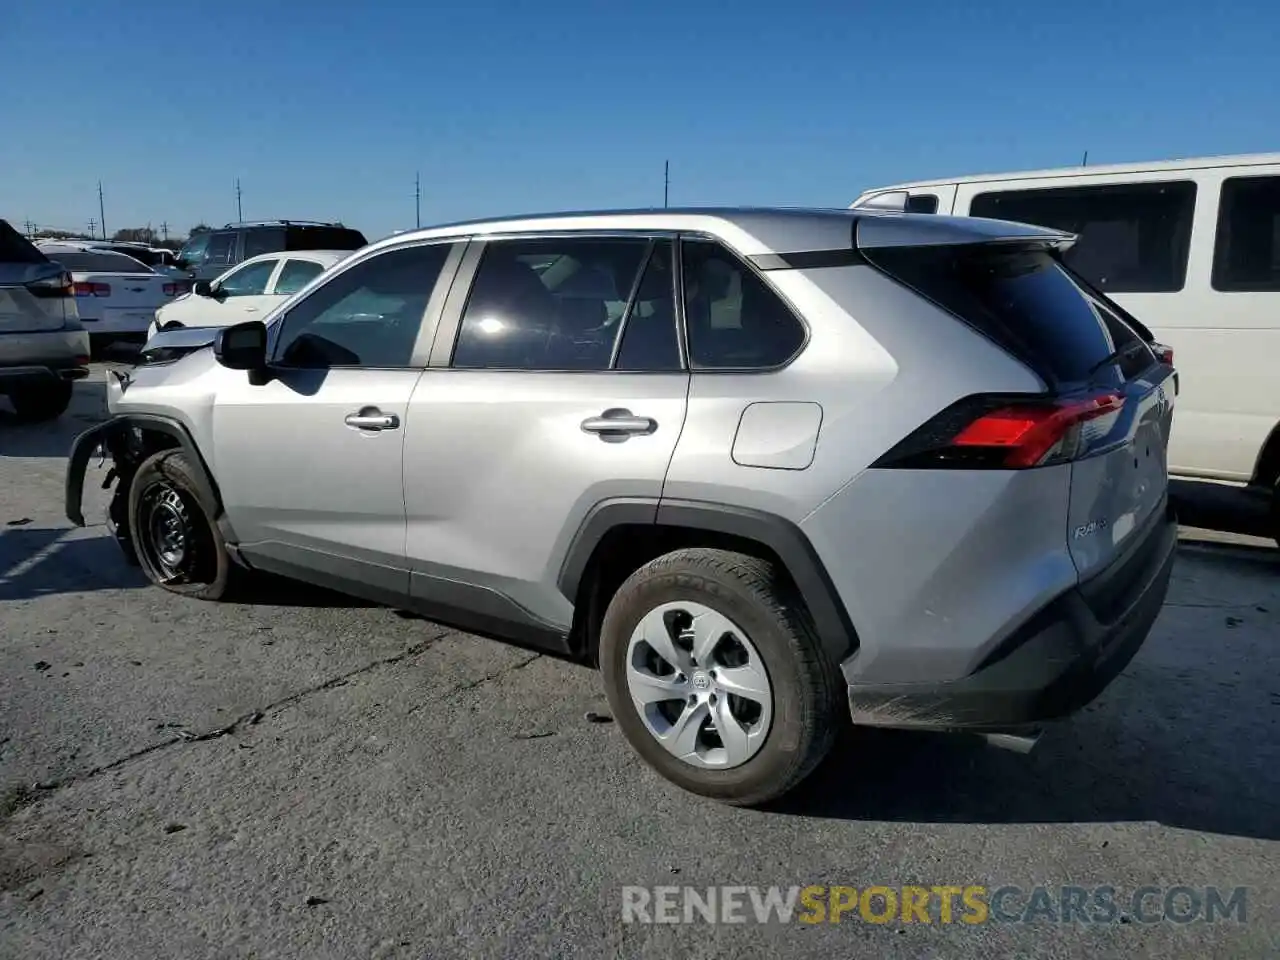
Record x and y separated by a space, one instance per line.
248 281
366 316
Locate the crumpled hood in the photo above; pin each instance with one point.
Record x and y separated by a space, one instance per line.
169 345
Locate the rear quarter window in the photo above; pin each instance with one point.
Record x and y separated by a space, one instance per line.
324 238
1019 298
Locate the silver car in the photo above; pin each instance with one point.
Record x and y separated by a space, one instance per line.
43 346
767 469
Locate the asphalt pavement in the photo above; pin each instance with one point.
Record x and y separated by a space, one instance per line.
304 775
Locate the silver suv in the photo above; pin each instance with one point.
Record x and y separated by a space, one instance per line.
762 467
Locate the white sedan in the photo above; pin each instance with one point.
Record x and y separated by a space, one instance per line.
116 295
247 291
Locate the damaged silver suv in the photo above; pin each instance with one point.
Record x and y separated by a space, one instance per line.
766 468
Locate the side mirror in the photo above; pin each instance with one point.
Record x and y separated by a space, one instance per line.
243 346
202 288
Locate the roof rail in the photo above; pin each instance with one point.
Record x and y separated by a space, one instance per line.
284 223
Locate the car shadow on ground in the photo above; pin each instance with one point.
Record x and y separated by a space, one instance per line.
53 438
1218 506
1099 767
269 590
39 561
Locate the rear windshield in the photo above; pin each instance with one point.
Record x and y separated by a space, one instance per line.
1020 298
15 248
324 238
103 261
150 257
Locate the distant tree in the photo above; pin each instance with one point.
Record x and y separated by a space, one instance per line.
135 235
64 235
200 228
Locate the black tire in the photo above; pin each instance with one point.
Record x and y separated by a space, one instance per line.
38 403
807 710
163 486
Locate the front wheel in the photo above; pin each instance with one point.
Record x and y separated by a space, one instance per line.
178 544
717 677
36 404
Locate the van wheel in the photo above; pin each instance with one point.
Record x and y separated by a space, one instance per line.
178 543
36 404
716 675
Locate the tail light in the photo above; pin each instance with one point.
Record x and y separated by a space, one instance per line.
1163 352
176 288
86 288
59 286
1007 433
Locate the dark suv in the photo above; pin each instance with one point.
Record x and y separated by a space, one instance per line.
209 253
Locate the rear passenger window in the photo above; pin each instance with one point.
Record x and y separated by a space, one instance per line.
1133 237
1247 252
549 304
734 320
650 342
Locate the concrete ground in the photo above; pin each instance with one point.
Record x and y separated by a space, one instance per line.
307 776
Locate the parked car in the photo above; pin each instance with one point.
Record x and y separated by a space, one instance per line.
159 259
250 289
117 295
1192 248
207 254
819 461
43 347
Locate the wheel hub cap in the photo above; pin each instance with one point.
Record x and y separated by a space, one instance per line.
699 685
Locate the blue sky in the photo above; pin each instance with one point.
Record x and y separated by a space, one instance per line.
326 110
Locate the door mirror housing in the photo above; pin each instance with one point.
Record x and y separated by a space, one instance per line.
243 346
202 288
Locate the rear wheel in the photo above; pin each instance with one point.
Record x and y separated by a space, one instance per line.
178 544
45 401
717 677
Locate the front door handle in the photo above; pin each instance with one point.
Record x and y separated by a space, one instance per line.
371 418
616 425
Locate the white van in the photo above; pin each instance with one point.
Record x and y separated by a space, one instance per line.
1192 249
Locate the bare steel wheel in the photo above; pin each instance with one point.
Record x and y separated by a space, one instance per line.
173 531
716 675
699 685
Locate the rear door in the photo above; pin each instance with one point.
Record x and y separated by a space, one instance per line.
555 383
243 293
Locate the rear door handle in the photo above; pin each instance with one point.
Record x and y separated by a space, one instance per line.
616 425
371 418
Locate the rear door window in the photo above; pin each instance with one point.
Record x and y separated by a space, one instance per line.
1019 298
1246 255
262 240
1133 237
323 238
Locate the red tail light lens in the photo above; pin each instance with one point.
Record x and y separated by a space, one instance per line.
1006 433
1163 353
87 289
176 289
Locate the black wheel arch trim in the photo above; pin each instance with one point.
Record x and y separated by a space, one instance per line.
84 445
784 538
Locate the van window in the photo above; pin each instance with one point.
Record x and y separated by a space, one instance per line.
1246 254
922 203
1133 237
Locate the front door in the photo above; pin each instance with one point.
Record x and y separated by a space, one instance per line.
310 463
565 388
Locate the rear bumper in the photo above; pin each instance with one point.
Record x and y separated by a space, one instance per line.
1062 659
29 359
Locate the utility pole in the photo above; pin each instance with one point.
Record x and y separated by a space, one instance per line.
164 230
31 228
1085 161
239 211
666 181
93 227
102 214
417 199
